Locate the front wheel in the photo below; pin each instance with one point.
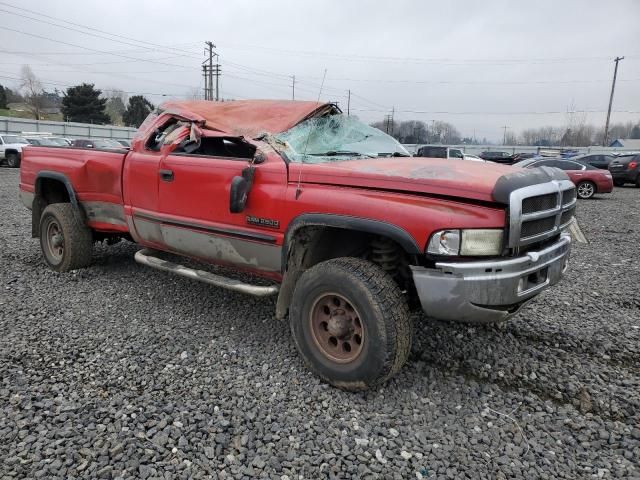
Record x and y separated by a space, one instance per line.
586 190
66 243
13 160
350 323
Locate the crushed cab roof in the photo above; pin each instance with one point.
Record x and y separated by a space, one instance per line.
247 118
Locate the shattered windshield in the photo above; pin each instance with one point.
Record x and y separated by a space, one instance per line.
336 138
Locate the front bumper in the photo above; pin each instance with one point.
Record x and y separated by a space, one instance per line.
492 290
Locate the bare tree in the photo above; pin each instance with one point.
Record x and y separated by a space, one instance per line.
194 93
32 91
510 138
116 104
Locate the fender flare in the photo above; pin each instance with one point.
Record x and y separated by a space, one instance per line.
347 222
38 205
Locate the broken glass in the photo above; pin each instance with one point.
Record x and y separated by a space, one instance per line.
336 138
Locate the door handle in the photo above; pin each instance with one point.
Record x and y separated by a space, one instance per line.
166 175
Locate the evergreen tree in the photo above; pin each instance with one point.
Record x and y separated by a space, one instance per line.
137 110
82 103
3 97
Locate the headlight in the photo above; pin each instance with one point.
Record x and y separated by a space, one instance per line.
472 242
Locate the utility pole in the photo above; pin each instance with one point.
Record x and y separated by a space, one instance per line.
293 87
393 109
348 103
210 78
504 136
206 82
613 86
217 74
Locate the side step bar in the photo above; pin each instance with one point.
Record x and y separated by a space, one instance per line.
145 257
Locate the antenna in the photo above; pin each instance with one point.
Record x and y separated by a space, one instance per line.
306 143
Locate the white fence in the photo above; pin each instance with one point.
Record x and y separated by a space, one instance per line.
64 129
477 149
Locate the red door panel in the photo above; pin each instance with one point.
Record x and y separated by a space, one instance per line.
141 175
195 216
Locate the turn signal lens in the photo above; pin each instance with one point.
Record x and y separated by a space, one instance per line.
445 242
632 165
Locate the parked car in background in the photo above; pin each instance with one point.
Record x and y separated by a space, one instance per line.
625 169
473 158
62 142
439 151
124 143
42 141
11 149
523 156
106 143
597 160
587 179
498 157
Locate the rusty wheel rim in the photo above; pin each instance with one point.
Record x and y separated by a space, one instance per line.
336 327
54 241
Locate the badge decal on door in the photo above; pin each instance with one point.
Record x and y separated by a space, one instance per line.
263 222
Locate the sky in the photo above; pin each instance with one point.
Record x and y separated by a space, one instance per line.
478 65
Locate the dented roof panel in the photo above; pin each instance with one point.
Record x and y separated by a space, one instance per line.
247 118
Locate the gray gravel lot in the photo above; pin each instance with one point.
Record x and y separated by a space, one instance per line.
118 371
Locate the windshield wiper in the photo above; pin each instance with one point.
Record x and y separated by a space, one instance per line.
394 154
335 153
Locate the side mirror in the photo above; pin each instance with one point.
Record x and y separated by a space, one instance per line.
259 158
240 188
238 195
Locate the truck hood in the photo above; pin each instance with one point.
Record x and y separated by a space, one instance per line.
455 178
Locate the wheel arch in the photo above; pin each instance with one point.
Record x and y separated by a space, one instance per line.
52 187
318 235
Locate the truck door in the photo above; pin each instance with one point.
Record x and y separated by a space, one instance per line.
140 184
194 194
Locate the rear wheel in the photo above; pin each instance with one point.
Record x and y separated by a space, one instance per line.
66 243
618 183
13 160
586 189
350 323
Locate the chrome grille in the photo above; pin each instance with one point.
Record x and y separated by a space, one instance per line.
536 227
540 202
566 217
538 212
568 196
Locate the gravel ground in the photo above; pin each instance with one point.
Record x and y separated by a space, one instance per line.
118 371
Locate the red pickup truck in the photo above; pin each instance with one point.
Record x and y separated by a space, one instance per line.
350 231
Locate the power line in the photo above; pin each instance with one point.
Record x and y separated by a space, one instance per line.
552 112
86 28
435 60
88 48
60 84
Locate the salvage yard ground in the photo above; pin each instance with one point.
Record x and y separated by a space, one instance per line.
118 371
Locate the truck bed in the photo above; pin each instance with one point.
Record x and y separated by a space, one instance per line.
95 174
